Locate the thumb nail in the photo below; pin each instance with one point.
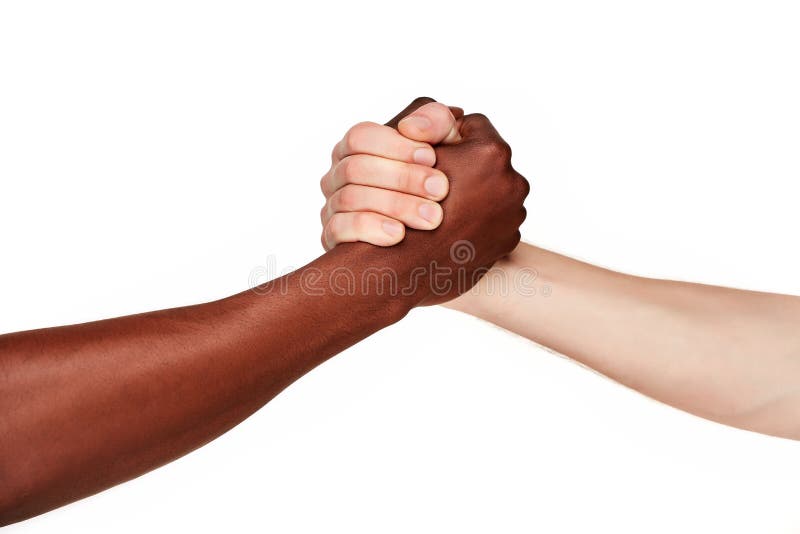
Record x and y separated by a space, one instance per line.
417 121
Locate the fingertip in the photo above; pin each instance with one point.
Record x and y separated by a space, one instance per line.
432 213
394 232
438 221
424 156
437 186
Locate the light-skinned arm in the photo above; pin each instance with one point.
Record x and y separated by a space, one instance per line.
728 355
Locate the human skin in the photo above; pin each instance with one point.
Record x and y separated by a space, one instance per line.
728 355
88 406
402 190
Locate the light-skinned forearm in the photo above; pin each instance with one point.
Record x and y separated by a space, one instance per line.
728 355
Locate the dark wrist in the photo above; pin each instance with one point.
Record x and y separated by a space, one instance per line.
385 276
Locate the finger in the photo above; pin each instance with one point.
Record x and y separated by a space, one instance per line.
418 102
433 123
360 169
383 141
362 226
457 112
413 211
478 125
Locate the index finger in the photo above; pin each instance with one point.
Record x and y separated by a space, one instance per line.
478 125
378 140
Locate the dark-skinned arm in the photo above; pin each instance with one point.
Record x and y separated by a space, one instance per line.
88 406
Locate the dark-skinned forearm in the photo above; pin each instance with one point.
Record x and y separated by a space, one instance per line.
88 406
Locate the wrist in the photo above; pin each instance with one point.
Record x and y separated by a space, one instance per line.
380 280
493 288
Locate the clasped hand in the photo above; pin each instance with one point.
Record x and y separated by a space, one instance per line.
431 177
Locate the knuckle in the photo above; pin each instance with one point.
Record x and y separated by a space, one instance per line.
518 188
496 151
345 198
361 222
326 237
440 109
333 202
335 226
501 149
479 117
398 206
525 187
405 177
347 169
357 135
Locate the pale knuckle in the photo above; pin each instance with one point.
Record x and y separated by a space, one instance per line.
335 202
327 240
345 198
361 222
357 135
398 206
439 108
336 226
347 169
404 178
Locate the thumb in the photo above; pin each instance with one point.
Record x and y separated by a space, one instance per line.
432 123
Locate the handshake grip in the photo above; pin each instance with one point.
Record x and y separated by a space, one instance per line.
482 212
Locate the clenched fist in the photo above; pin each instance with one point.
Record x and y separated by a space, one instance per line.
384 184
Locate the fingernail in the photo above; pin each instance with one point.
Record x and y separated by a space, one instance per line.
425 156
436 186
429 212
393 228
417 121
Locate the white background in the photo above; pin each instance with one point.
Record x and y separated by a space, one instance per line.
152 154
